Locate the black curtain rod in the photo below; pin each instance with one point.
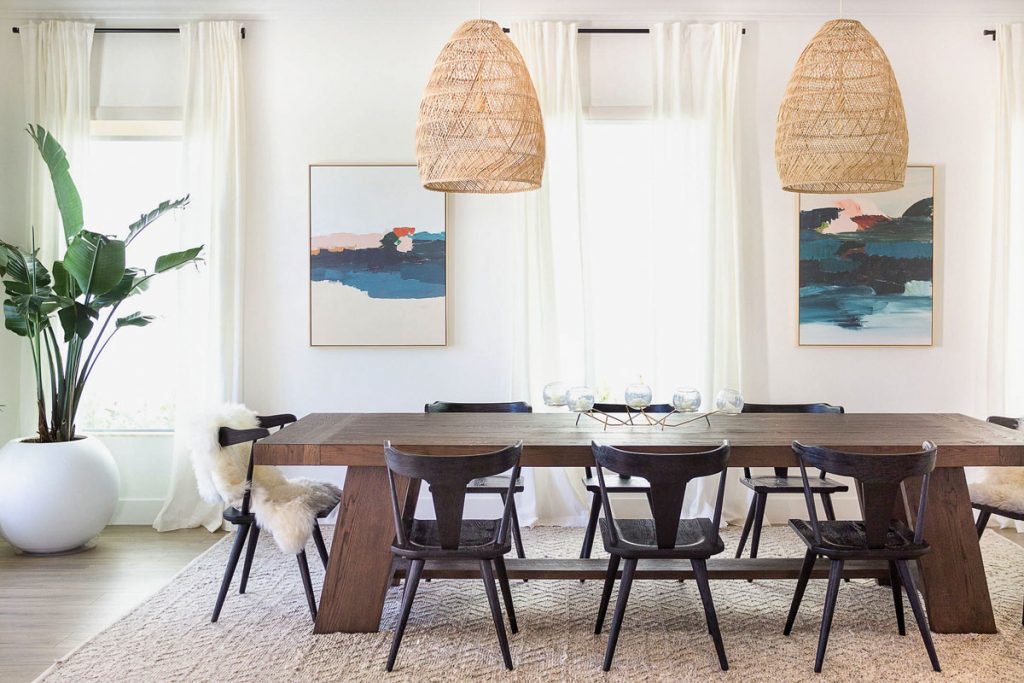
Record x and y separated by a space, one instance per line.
616 30
106 29
989 32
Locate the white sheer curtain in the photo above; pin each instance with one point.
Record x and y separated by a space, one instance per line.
696 208
551 332
1006 328
210 315
56 57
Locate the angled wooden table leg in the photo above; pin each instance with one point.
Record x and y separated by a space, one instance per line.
955 586
359 569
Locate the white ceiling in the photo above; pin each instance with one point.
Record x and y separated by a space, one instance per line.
114 10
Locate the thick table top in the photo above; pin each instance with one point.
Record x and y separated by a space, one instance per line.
554 439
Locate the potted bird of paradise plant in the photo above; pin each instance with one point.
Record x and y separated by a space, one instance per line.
58 489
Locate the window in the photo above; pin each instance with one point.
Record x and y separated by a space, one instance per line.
134 383
645 241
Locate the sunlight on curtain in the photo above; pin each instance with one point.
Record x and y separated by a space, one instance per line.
210 311
1006 322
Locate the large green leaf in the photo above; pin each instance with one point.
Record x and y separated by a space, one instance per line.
147 218
177 259
25 268
77 320
122 290
63 283
134 320
95 261
14 320
69 202
3 260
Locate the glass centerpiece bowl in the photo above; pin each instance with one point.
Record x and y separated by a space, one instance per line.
729 402
638 395
554 394
686 400
580 399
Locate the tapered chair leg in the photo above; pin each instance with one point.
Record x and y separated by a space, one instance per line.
412 580
307 583
835 573
897 598
250 550
229 571
915 606
318 539
506 593
982 522
499 623
517 535
588 535
801 586
700 573
747 523
830 511
620 610
606 594
761 499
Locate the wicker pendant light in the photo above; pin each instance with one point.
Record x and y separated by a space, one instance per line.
480 128
841 126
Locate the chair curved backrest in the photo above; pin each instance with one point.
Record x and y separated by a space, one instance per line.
668 475
228 436
792 408
789 408
623 408
447 477
449 407
880 477
1008 422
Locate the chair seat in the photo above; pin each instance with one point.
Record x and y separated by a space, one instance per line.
235 516
695 539
1004 498
476 539
496 484
617 484
773 484
995 510
843 539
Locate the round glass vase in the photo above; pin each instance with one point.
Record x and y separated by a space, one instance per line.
686 400
638 396
554 394
729 402
580 399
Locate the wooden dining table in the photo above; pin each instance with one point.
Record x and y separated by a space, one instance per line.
361 566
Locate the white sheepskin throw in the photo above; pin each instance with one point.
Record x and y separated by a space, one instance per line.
1002 487
287 508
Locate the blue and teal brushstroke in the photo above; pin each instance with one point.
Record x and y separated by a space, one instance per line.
390 270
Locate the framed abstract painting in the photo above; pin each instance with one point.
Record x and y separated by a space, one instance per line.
866 266
377 258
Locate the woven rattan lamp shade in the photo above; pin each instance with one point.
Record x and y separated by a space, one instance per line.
841 126
480 128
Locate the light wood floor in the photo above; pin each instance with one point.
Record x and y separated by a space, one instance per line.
51 605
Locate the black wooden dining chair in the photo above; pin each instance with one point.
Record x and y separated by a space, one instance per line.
877 537
615 483
497 485
665 535
451 538
780 482
990 498
245 522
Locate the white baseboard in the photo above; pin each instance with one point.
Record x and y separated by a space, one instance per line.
137 511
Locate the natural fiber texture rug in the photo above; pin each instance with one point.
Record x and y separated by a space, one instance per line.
266 634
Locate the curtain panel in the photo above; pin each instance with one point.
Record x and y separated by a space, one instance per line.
1006 322
210 301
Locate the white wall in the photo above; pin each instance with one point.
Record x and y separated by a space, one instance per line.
344 86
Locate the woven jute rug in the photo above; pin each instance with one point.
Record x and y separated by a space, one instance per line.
266 634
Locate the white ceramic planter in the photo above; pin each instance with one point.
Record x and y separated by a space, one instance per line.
55 497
